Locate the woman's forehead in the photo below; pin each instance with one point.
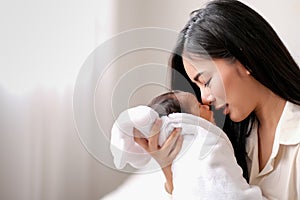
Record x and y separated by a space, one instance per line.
199 65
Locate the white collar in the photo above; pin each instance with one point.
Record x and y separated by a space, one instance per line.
287 133
289 125
288 128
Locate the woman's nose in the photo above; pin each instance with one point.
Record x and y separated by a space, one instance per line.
206 96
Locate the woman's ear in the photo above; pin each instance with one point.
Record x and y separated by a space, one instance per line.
242 70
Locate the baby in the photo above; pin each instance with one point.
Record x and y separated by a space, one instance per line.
176 109
205 168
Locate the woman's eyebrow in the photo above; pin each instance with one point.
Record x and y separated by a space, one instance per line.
196 78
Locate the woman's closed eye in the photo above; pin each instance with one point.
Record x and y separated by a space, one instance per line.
207 83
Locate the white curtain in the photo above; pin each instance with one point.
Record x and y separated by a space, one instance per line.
42 47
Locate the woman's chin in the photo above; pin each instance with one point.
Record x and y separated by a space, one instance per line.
236 118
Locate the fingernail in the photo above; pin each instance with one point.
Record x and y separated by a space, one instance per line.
158 121
178 129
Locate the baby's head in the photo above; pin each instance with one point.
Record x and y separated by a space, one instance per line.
179 101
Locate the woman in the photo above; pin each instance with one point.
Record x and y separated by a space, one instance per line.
239 63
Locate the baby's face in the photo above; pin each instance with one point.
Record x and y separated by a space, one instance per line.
190 103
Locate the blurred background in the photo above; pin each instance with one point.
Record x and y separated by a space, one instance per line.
43 45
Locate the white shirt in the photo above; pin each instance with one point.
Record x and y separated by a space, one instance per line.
280 178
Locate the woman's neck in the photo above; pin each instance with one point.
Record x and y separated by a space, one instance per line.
269 111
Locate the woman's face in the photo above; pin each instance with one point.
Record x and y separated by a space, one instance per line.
224 84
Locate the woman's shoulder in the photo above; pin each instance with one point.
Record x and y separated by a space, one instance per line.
289 124
292 108
290 117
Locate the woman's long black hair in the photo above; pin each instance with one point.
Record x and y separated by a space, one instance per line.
228 29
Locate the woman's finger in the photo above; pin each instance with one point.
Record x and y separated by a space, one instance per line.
154 135
177 148
156 127
171 140
153 143
140 139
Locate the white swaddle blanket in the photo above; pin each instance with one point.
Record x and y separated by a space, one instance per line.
124 148
205 168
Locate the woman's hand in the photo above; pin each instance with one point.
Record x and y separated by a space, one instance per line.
164 154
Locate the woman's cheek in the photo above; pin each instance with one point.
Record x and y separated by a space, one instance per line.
218 90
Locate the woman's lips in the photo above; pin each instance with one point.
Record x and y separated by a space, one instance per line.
224 107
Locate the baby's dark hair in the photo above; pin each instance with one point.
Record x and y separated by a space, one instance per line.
166 104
